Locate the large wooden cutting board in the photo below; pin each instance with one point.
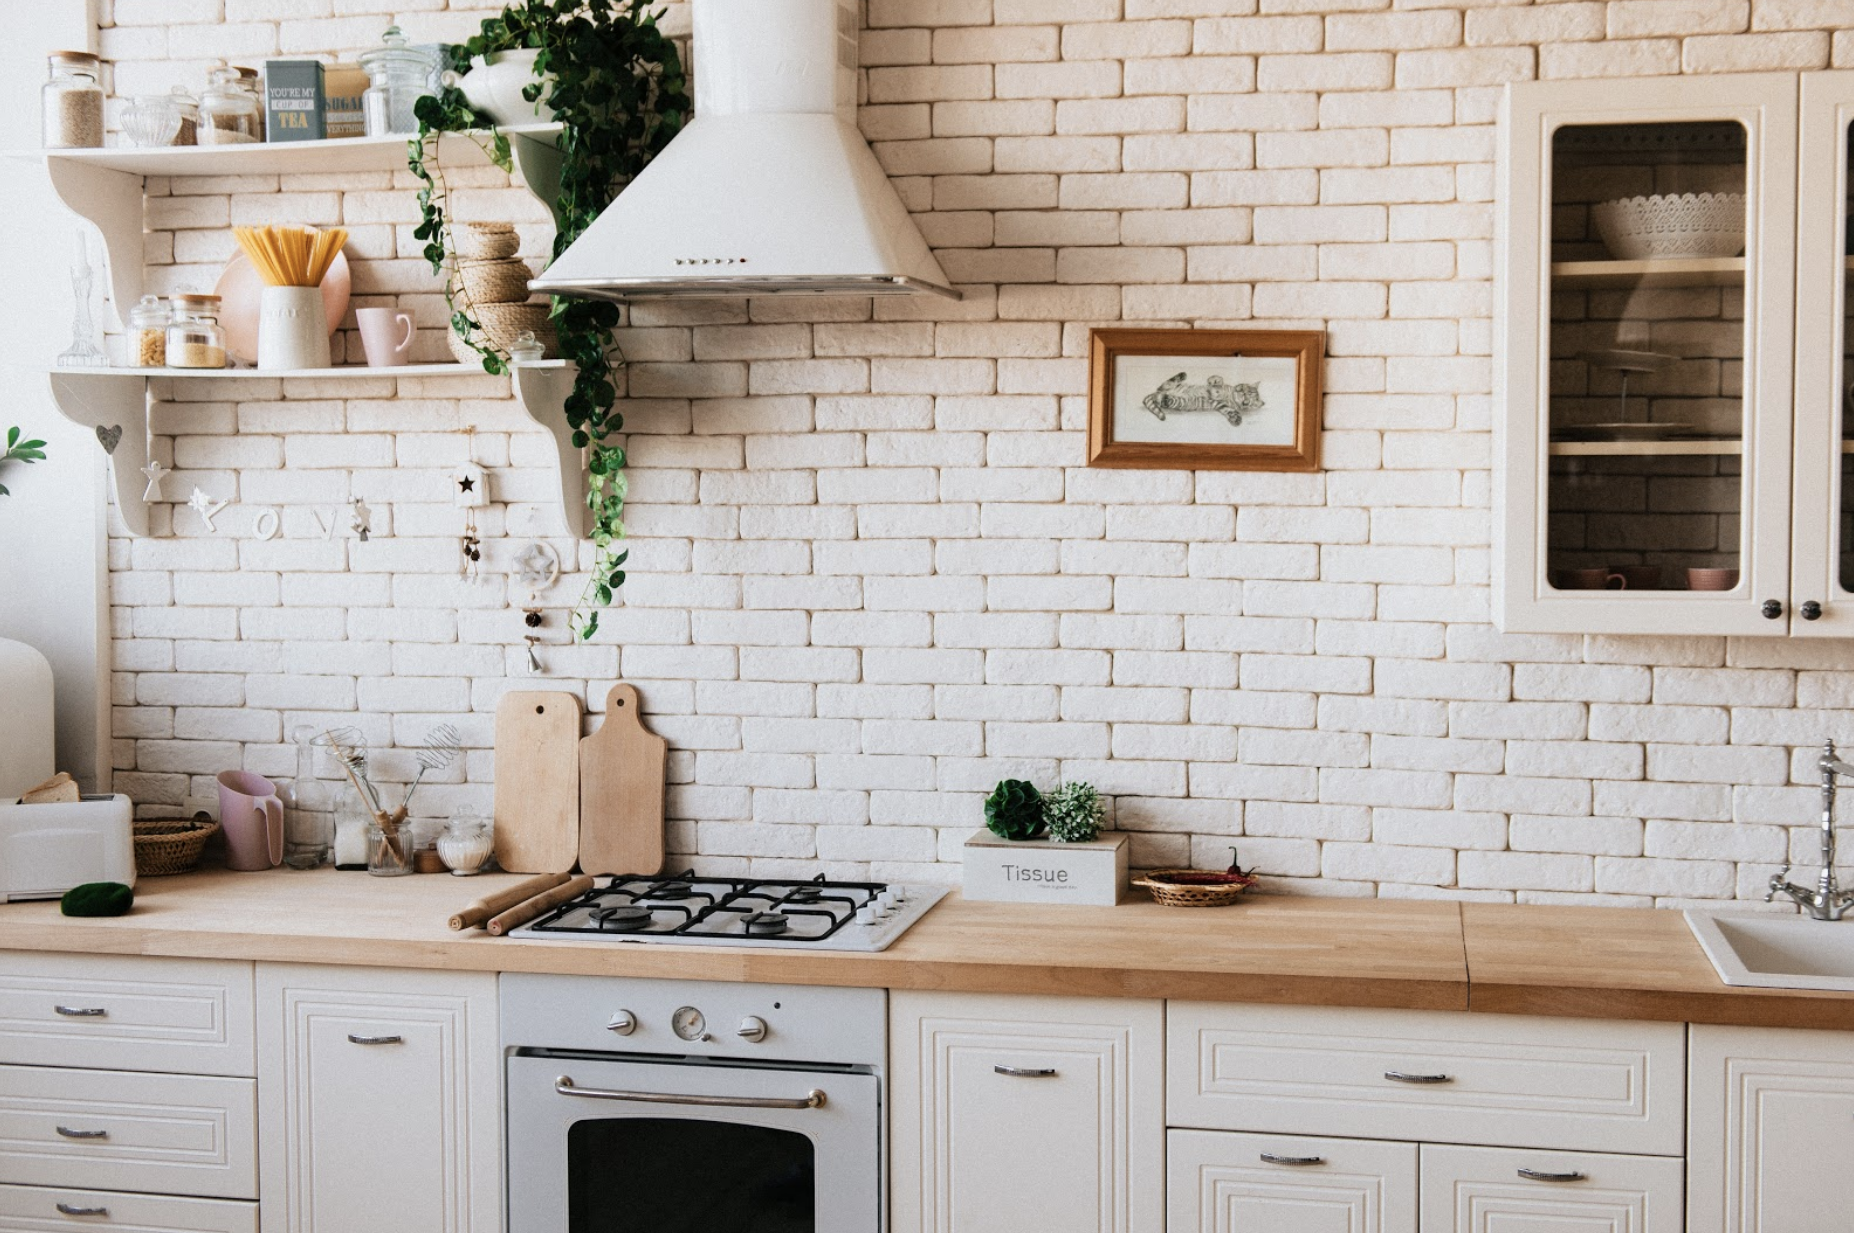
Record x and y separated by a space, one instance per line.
537 781
621 787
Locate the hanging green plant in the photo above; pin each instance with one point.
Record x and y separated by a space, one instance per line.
23 452
619 90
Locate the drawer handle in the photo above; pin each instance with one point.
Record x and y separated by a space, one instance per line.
1026 1072
1540 1175
1271 1158
81 1012
1400 1076
376 1040
68 1133
65 1209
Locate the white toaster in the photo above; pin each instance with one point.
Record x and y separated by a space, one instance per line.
45 850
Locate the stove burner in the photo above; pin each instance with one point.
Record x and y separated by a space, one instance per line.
670 890
805 894
626 918
766 922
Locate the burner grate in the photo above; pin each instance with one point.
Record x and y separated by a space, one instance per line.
725 909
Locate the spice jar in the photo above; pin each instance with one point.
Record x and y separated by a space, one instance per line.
73 102
148 322
229 113
398 75
253 82
195 339
189 109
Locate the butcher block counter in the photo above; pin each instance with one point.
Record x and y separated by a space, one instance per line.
1611 963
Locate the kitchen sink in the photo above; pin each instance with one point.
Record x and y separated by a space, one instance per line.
1777 952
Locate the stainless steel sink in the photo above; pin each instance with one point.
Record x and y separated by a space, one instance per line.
1777 952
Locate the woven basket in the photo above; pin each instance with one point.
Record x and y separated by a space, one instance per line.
482 283
170 845
1175 895
485 241
503 324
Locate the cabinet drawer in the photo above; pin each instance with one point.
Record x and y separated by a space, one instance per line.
1220 1182
115 1130
46 1209
182 1016
1491 1189
1417 1075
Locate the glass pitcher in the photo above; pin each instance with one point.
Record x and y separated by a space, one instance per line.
308 808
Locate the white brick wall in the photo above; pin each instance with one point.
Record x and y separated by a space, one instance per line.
870 575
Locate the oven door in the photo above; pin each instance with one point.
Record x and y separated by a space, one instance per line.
632 1146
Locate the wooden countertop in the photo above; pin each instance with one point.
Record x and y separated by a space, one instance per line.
1564 961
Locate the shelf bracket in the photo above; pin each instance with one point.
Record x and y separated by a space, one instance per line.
116 408
537 162
112 200
543 393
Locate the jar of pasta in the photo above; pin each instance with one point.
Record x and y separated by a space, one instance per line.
148 322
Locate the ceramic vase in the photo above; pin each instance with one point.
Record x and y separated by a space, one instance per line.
292 329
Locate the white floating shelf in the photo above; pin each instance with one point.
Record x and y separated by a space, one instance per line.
106 186
1624 449
299 374
1688 272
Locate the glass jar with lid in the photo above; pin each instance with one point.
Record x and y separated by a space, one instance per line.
196 339
148 322
73 102
398 75
229 113
253 82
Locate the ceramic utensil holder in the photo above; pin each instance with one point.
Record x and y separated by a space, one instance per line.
292 329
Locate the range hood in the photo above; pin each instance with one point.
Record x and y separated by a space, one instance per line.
770 190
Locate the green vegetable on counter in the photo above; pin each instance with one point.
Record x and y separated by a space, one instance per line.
97 899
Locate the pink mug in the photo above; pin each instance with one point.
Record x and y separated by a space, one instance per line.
386 335
252 818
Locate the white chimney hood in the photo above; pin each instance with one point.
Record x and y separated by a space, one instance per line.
770 190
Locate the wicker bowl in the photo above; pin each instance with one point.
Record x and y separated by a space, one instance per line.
485 241
1191 894
482 283
503 324
1672 226
170 845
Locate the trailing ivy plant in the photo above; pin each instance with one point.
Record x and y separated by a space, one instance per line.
22 452
620 92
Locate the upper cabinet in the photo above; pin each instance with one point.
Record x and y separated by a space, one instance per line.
1671 442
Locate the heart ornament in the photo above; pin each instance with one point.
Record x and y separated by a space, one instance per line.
109 438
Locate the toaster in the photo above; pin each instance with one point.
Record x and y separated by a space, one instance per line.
45 850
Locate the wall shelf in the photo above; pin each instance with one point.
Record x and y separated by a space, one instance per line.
115 401
1692 272
107 186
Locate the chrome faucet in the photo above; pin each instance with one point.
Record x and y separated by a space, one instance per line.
1827 901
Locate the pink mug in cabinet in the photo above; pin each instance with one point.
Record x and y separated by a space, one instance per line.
252 817
386 335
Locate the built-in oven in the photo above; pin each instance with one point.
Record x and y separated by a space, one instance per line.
649 1106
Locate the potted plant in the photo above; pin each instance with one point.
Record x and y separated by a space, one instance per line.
615 82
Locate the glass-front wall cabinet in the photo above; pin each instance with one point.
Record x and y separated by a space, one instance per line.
1649 254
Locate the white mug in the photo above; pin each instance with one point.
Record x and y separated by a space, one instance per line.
386 335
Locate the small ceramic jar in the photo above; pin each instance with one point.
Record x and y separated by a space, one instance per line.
466 844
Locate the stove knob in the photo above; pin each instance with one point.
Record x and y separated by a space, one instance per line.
623 1023
866 915
752 1028
898 893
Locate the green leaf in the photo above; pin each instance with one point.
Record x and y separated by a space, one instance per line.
12 435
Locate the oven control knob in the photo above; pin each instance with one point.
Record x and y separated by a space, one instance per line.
752 1028
866 915
623 1023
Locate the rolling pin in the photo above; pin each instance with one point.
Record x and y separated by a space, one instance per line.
480 912
522 913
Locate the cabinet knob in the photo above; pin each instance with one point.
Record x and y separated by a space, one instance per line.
1773 608
1812 611
623 1023
752 1028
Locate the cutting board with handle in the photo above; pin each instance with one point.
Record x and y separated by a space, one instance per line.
621 788
537 781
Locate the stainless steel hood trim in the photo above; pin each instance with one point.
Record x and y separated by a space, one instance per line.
623 290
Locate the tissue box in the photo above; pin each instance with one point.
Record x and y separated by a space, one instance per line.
45 850
1044 871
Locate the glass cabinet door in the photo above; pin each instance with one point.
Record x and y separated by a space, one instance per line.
1823 585
1646 450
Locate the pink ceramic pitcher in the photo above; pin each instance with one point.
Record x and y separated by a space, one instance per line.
253 820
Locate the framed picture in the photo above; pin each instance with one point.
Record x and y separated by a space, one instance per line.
1220 400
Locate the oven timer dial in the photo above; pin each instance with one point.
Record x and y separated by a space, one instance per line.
689 1024
752 1028
623 1023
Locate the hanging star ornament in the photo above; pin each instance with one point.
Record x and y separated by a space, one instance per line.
155 473
206 507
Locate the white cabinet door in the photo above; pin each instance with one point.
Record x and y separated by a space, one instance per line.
1770 1142
1218 1182
378 1100
110 1012
1018 1113
1516 1190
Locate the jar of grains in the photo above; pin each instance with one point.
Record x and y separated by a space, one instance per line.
148 322
73 102
229 113
195 339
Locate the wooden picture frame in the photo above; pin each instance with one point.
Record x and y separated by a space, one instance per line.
1214 400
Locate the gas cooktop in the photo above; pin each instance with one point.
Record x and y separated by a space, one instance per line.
693 910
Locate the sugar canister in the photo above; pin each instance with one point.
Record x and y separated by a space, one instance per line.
73 102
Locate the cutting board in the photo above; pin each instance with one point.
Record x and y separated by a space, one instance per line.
537 781
621 786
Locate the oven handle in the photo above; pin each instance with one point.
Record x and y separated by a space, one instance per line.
814 1099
